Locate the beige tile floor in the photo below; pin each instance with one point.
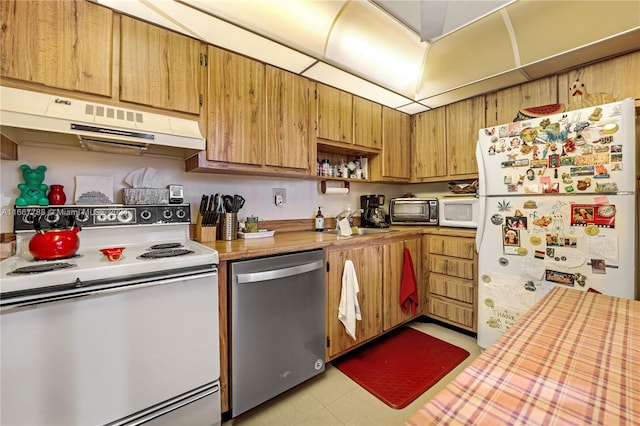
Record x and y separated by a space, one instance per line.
334 399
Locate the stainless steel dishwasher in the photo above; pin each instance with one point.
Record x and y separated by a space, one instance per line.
277 325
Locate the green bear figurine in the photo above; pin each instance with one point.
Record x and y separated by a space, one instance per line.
33 191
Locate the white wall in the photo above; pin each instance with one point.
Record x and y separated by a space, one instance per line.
303 196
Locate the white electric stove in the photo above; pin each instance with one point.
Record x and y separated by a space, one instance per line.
155 240
115 342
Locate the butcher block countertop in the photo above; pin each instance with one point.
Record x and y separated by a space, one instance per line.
287 242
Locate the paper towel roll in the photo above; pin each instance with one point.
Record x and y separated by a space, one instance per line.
330 191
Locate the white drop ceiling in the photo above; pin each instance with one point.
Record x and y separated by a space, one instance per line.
374 49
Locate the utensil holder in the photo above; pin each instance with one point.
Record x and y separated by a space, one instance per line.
228 226
204 234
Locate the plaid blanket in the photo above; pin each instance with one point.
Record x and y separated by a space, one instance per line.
572 359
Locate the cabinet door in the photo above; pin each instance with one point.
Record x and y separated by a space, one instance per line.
617 76
393 264
396 145
64 43
236 108
335 113
463 120
367 123
287 114
429 146
159 68
368 266
503 105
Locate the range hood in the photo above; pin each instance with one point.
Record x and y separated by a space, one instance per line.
34 118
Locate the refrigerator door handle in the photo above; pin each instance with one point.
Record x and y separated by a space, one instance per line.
481 223
482 199
482 181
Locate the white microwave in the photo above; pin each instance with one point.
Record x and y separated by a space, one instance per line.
459 212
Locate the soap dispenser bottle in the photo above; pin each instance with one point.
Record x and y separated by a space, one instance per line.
319 221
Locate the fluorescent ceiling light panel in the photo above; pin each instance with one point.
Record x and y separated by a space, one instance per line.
391 55
301 24
335 77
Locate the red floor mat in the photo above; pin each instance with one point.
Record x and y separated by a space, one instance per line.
399 367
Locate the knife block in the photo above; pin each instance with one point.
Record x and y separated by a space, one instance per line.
204 234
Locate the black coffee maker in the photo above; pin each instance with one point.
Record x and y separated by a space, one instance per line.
373 215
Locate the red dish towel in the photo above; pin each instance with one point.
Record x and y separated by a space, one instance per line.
408 288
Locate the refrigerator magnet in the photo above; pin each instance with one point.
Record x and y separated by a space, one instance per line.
531 175
559 277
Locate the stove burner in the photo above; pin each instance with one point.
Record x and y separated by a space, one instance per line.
37 269
165 246
73 256
156 254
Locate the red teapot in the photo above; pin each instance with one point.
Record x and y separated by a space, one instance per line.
55 242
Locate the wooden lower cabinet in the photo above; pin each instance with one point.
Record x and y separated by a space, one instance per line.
379 271
368 266
393 266
452 294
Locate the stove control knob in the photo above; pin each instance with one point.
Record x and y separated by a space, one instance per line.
52 216
125 216
167 214
111 216
82 216
180 214
28 218
145 214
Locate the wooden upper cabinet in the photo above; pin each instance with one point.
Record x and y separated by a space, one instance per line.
287 119
393 163
65 44
617 76
429 146
334 114
464 119
236 100
159 68
367 123
503 105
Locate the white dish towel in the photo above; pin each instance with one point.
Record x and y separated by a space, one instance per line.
349 308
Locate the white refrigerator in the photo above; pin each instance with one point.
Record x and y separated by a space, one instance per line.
557 207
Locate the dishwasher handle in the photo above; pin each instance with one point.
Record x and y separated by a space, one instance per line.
273 274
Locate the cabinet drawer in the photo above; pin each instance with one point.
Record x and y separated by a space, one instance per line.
452 311
452 266
452 246
452 288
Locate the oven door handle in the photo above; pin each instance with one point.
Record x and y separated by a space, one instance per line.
279 273
155 412
92 289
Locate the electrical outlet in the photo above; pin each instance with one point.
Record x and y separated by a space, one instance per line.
279 196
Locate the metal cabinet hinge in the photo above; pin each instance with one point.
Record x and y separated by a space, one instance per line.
328 341
201 99
204 60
